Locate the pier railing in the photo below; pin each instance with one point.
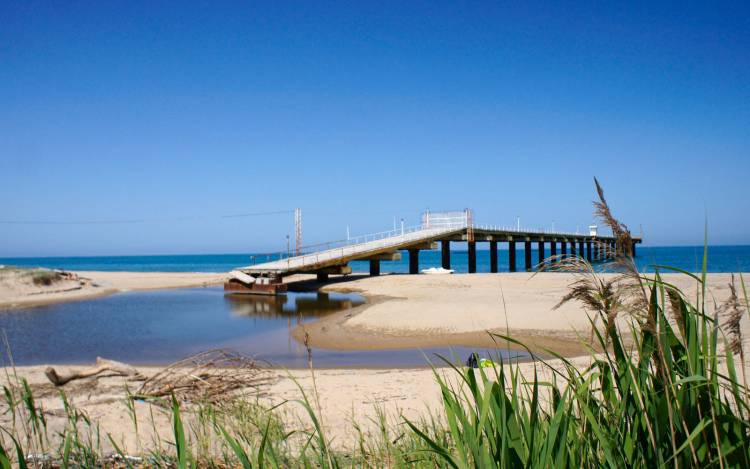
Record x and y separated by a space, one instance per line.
516 229
363 244
315 253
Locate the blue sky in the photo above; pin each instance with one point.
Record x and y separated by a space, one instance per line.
359 112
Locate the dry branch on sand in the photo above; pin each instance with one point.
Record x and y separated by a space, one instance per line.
110 367
207 377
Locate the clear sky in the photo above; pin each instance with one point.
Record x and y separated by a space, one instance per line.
359 112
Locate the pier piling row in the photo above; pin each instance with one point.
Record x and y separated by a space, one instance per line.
335 260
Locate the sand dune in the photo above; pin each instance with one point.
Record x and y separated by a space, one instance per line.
16 291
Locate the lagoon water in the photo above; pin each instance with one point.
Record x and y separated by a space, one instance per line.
690 258
160 327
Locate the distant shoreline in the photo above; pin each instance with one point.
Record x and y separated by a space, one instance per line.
99 284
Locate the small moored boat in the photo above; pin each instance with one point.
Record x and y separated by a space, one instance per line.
437 271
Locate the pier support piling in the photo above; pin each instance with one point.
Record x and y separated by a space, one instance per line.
527 254
493 256
374 267
588 250
581 248
564 249
540 251
413 261
596 251
573 248
321 277
553 250
446 253
632 252
512 256
472 256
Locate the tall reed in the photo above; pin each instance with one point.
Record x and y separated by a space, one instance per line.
662 389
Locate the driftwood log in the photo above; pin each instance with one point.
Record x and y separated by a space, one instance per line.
102 365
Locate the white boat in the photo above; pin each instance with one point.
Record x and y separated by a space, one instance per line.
437 271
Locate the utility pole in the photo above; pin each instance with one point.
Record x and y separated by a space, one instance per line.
297 231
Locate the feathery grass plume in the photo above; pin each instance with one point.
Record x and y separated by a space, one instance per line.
676 307
630 284
619 229
731 310
596 293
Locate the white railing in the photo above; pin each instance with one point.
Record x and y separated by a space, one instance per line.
516 229
372 242
354 246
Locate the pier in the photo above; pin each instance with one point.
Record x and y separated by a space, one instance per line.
437 231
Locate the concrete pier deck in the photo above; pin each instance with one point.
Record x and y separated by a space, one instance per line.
388 246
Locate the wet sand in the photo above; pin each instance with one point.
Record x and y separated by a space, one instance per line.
429 310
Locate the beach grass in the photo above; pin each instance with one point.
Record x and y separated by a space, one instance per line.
673 395
665 387
38 276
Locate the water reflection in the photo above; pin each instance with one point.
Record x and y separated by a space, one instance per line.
159 327
164 326
300 305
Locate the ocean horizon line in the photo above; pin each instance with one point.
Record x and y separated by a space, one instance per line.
480 247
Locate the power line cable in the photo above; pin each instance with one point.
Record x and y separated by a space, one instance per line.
142 220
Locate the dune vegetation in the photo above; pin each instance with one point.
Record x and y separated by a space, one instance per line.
665 387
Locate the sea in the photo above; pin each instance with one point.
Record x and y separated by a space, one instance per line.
648 259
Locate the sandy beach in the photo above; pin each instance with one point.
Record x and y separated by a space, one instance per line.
349 399
401 311
430 310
